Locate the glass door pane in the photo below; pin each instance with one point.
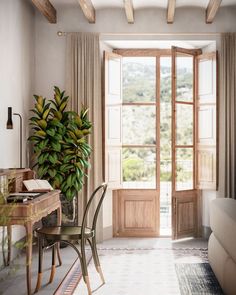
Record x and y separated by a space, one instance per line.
184 169
139 125
139 79
184 124
184 78
139 167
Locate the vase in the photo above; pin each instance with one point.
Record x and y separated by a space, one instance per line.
69 213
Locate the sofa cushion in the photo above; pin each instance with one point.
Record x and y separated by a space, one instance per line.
223 223
223 266
217 257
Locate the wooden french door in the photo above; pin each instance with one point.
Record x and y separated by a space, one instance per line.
136 210
184 192
194 137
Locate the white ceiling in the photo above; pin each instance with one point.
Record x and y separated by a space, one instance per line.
158 44
138 4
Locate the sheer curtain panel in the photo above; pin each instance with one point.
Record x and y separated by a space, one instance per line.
84 88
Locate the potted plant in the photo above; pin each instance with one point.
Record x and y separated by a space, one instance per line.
61 151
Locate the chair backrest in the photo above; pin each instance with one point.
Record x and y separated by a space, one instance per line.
101 189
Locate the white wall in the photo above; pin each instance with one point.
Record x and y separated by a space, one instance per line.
16 78
51 49
16 75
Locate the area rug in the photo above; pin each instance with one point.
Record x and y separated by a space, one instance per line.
197 279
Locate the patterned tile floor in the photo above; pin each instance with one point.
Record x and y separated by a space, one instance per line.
141 268
126 272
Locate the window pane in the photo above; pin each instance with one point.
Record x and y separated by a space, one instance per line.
139 79
165 64
139 168
184 169
184 79
139 124
184 124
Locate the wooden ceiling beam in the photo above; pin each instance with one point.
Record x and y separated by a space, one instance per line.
47 9
171 11
212 8
88 10
129 10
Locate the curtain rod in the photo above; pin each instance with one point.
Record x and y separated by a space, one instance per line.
61 34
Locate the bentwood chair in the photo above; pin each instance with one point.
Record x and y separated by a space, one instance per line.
70 235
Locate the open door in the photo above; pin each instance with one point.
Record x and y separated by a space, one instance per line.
184 193
207 149
112 110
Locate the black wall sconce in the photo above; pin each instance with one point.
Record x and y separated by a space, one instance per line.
10 126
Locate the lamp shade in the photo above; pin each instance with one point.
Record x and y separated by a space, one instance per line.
9 119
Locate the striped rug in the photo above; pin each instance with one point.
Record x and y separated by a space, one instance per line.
197 279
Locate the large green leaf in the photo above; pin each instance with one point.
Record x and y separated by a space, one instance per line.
56 146
51 132
52 172
42 158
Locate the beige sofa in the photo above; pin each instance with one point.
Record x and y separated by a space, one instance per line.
222 243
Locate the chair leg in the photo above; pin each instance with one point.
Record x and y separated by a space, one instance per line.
84 267
59 254
87 282
93 246
9 238
53 268
40 263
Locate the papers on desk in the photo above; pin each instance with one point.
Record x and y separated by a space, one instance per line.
22 197
27 194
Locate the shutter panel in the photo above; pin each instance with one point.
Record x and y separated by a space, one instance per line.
207 121
113 133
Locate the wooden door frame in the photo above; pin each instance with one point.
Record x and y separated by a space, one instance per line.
158 54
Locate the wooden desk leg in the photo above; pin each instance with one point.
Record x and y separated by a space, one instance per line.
29 237
59 216
9 235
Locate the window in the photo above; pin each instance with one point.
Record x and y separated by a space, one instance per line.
158 151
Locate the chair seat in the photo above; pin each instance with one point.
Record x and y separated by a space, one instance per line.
66 233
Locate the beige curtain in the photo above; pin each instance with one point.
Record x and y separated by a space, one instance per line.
84 88
228 95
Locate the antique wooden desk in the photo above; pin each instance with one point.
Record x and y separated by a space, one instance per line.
27 213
